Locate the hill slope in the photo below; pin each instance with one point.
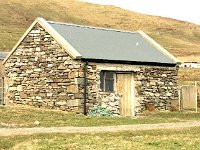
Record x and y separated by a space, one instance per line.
180 38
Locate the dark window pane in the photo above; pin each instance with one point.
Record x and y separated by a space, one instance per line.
109 85
102 80
109 75
107 81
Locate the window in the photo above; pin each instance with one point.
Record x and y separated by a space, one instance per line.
107 81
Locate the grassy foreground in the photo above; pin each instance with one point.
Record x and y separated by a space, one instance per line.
26 116
137 140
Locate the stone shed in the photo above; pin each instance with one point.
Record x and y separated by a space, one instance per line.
74 68
2 57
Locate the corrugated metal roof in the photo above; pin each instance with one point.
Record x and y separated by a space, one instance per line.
106 44
3 55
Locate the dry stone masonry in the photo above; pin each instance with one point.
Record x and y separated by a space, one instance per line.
42 74
110 101
156 89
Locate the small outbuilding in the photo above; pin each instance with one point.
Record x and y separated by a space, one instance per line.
2 57
74 68
189 61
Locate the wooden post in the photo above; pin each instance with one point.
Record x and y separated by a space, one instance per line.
195 83
180 104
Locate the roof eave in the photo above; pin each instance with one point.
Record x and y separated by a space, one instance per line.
128 62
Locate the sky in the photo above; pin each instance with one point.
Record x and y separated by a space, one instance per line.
186 10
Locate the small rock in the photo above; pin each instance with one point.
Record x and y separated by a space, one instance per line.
164 75
50 65
168 94
36 123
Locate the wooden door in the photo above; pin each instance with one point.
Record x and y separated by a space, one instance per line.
125 89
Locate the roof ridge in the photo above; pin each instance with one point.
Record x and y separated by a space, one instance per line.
93 27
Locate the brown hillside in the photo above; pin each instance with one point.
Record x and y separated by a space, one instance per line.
180 38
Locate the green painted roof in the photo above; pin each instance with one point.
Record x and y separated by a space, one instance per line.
108 44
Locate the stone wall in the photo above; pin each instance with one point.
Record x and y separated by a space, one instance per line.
110 101
42 74
156 89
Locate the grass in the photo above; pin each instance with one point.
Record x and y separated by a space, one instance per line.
26 116
9 37
180 38
138 140
187 76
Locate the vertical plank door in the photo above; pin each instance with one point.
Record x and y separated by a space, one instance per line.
124 88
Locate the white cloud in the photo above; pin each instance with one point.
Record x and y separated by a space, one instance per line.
187 10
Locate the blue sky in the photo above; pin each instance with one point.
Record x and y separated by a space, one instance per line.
186 10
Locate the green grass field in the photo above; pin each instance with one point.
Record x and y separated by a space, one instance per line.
20 116
187 139
26 116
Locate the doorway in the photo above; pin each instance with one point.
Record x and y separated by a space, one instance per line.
125 87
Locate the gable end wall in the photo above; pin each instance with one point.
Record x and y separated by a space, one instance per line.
42 74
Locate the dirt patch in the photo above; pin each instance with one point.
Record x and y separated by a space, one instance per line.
28 131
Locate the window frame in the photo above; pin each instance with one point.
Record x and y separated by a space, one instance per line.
105 79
